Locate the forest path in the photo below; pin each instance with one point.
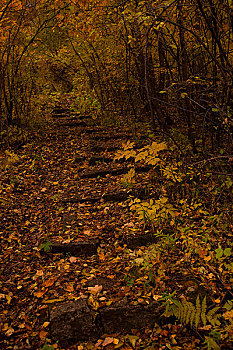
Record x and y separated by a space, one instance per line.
65 195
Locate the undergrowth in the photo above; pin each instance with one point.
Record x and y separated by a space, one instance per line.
191 224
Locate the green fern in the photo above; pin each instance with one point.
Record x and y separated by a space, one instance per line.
194 314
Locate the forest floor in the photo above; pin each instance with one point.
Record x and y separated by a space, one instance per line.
65 188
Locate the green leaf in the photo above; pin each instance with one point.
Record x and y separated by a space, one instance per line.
45 246
227 252
219 253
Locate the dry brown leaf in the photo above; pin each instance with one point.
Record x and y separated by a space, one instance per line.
95 290
107 341
73 259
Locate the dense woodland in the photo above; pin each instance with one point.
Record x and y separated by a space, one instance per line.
162 73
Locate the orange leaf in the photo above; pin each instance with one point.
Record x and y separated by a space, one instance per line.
101 256
40 293
111 276
39 273
69 287
43 334
49 283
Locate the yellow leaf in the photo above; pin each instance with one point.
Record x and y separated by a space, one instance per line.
207 258
101 256
21 325
228 315
93 303
132 339
45 324
8 298
51 301
10 331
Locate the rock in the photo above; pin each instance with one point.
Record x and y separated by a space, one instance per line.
107 283
74 123
71 322
93 160
111 137
140 240
114 172
123 318
60 110
85 248
60 115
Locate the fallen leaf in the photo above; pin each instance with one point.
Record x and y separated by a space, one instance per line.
10 331
99 342
43 334
69 287
51 301
107 341
39 273
49 283
40 293
45 324
21 325
8 298
132 339
66 241
111 276
95 290
73 259
101 256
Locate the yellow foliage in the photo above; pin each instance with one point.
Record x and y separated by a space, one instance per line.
8 160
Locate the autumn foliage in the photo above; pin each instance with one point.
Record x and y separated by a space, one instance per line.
162 72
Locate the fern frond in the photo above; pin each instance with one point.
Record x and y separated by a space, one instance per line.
188 315
198 312
203 311
192 314
212 317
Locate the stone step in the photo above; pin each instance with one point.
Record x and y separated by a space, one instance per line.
119 196
74 321
113 172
